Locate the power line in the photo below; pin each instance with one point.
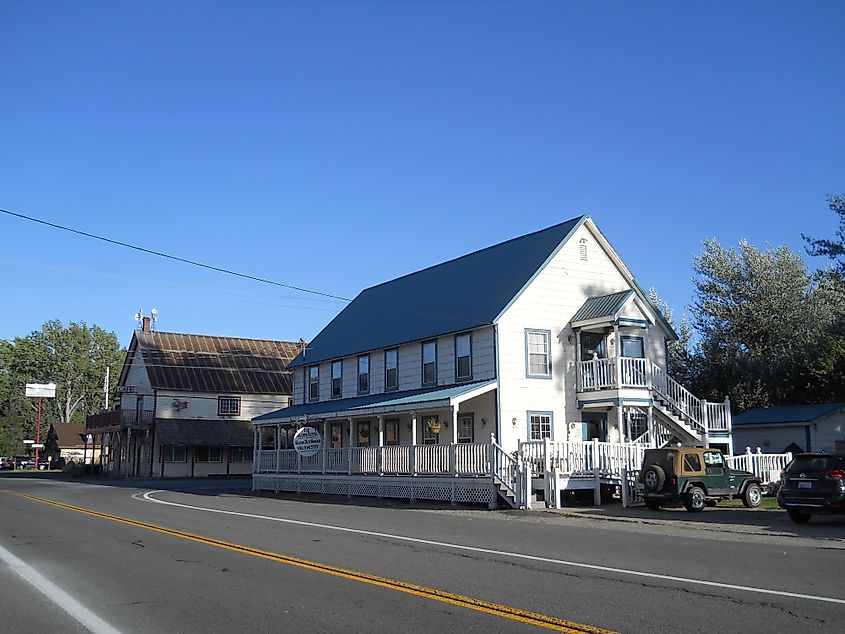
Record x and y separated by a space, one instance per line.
173 257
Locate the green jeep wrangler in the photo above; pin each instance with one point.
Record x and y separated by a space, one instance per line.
695 477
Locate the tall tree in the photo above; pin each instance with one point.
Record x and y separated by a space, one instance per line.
761 317
74 357
833 249
680 360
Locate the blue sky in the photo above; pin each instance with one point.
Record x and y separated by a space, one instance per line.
334 145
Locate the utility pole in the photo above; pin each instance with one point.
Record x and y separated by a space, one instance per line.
106 387
39 391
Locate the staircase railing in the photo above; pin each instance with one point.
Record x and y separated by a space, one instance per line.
690 407
507 473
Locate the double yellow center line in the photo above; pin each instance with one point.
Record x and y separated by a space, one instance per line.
496 609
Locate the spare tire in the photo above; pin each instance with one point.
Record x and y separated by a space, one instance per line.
654 478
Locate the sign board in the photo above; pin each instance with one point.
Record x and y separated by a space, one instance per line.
29 442
38 445
307 442
41 390
125 389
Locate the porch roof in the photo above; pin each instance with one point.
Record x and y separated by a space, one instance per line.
204 433
381 403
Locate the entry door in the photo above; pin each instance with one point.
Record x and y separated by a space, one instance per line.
594 426
592 342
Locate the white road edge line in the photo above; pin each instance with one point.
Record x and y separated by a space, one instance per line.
561 562
55 594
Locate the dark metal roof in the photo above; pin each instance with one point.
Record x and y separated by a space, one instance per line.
787 414
602 306
201 363
204 433
460 294
69 434
388 399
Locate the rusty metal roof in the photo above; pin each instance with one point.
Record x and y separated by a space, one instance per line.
202 363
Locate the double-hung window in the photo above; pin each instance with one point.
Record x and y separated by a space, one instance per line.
337 379
466 424
538 353
429 362
540 425
175 453
463 357
241 454
391 431
632 347
391 369
314 383
209 454
364 374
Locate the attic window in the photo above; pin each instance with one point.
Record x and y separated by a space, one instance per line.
582 247
228 405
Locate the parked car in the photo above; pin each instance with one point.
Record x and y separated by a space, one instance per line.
6 463
24 462
813 483
694 477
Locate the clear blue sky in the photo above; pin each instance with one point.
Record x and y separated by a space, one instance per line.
335 145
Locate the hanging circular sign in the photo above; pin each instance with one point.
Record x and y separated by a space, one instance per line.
307 442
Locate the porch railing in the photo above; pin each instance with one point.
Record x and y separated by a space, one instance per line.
463 459
766 466
625 372
582 456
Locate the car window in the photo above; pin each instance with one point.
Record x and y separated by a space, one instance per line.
815 463
692 463
713 459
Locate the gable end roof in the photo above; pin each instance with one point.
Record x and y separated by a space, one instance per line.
460 294
787 414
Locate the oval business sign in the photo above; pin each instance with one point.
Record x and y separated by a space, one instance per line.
307 442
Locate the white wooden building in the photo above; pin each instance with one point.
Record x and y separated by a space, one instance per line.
545 339
185 403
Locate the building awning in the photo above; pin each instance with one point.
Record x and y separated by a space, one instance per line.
204 433
408 401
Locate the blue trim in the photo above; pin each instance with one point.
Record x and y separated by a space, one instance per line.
626 321
551 416
548 334
553 254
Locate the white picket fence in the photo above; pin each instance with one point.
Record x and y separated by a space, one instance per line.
582 457
766 466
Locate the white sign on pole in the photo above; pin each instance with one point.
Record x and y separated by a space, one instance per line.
38 445
41 390
29 442
307 442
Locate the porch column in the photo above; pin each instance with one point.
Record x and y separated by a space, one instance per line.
617 343
349 449
620 424
381 430
325 445
255 448
454 425
578 386
380 456
413 428
652 435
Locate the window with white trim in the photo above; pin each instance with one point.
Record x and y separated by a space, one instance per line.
463 357
337 379
391 431
391 369
429 362
466 428
632 347
228 405
539 425
364 374
241 454
175 453
538 353
314 383
209 454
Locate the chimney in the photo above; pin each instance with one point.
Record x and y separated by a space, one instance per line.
146 325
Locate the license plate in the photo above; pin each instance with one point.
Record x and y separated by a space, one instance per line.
805 485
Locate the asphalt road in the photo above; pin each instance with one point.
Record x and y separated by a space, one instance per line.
214 557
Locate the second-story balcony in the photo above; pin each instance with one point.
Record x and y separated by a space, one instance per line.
118 419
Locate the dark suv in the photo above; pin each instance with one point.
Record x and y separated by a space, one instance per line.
811 484
694 476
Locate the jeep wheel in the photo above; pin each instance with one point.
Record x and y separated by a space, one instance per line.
752 496
798 517
654 505
695 500
654 478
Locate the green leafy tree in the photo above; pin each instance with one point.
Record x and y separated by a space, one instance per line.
833 249
75 357
761 320
680 360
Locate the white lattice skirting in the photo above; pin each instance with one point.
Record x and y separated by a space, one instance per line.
455 490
